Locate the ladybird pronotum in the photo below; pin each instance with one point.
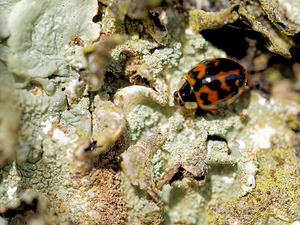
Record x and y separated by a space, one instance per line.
212 84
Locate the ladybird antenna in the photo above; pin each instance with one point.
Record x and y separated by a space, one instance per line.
169 93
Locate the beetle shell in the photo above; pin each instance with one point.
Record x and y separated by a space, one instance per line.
213 84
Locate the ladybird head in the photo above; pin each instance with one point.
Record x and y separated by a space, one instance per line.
177 99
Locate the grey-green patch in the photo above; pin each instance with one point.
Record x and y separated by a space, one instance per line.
5 8
10 118
6 78
98 58
275 198
137 167
145 123
53 127
30 24
108 125
291 9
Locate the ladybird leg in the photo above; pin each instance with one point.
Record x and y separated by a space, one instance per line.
220 113
185 115
200 112
182 112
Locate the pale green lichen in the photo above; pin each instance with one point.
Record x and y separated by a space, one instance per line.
6 78
5 8
53 21
3 221
147 61
108 125
10 116
78 119
275 193
46 160
62 123
143 118
184 207
98 58
291 9
232 164
4 51
140 208
9 183
39 112
161 58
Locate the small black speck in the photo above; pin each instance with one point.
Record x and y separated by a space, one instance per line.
91 147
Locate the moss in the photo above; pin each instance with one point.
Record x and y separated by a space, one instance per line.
275 195
293 121
200 20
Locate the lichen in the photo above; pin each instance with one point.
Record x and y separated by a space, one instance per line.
30 54
108 125
5 8
291 8
229 144
98 58
9 124
275 197
277 42
277 16
91 134
201 20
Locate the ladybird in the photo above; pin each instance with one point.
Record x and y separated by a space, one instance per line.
212 84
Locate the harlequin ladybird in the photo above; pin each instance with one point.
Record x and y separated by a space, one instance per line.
212 84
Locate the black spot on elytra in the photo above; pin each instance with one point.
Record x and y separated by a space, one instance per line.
223 65
222 94
214 85
211 69
193 74
230 81
198 85
204 96
241 80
